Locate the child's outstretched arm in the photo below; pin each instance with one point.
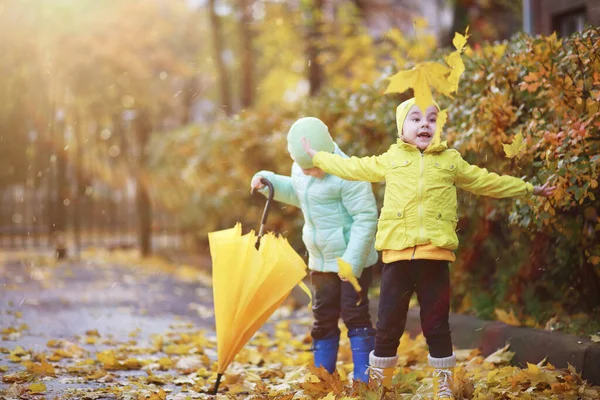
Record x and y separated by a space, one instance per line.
481 182
369 169
282 186
359 201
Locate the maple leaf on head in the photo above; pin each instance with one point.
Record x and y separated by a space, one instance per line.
420 78
516 147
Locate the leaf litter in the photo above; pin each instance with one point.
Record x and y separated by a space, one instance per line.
180 364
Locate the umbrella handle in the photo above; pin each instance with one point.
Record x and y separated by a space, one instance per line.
263 220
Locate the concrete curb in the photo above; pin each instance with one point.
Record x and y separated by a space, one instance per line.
530 345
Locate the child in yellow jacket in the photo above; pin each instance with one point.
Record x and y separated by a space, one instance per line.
416 232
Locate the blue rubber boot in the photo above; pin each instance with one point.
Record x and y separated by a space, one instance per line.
325 352
362 342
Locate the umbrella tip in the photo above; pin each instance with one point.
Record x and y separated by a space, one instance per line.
217 383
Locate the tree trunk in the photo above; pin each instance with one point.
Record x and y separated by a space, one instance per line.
314 10
79 192
247 36
215 22
460 21
361 7
144 207
59 223
190 93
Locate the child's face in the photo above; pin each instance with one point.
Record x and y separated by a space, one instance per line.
314 172
418 129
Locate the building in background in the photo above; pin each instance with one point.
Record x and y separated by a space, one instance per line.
561 16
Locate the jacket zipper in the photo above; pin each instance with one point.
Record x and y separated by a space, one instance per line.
421 173
309 218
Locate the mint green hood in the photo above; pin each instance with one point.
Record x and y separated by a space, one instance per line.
313 129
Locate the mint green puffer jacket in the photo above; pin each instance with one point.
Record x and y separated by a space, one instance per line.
340 217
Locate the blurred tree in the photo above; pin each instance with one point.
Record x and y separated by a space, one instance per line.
313 17
143 129
281 66
218 49
247 49
23 92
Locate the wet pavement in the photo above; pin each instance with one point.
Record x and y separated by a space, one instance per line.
113 326
122 302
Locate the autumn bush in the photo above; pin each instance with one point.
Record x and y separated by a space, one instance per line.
538 253
537 256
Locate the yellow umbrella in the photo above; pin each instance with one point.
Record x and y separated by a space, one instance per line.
249 284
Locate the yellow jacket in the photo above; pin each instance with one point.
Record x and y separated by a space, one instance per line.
419 205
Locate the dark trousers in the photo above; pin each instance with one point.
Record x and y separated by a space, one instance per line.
333 298
399 280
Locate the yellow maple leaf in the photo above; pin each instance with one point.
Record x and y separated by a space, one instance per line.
420 22
460 41
177 349
160 395
108 359
595 338
345 271
37 387
306 290
507 318
165 363
500 356
441 121
457 67
97 374
92 332
91 340
132 363
396 37
420 78
43 368
330 396
533 368
516 147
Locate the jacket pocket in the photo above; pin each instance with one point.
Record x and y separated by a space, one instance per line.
444 171
398 165
391 230
446 225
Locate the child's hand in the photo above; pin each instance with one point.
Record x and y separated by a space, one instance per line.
306 144
256 183
343 279
544 190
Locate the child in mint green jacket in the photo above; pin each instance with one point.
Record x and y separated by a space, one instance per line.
340 219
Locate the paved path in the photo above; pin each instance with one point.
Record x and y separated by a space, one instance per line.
98 306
